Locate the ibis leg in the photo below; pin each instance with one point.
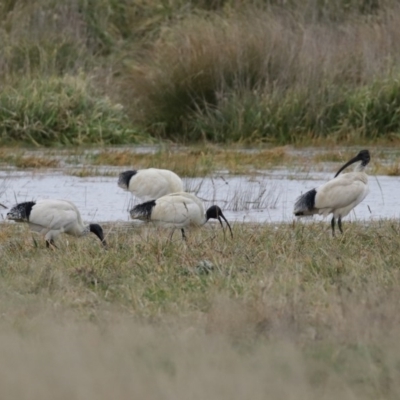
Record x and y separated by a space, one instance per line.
333 226
183 234
340 224
50 243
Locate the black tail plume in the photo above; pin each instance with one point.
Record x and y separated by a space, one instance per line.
305 204
143 211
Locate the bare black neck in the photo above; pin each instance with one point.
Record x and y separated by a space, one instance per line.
98 231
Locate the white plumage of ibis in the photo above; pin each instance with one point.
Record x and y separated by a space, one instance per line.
150 183
53 217
178 211
339 195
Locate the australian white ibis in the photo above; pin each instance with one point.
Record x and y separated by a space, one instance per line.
178 210
52 217
151 183
338 196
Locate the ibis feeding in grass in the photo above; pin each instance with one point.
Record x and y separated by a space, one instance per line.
151 183
178 211
338 196
52 217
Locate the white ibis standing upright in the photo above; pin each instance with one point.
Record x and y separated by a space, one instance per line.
52 217
179 211
338 196
151 183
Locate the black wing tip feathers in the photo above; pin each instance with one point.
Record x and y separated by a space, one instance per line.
305 202
143 211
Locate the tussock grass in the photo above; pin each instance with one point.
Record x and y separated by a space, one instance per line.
261 75
62 111
268 71
289 310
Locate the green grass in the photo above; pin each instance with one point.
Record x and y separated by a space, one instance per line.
352 116
62 111
288 312
120 72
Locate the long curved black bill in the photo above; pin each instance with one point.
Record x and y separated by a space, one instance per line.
3 205
219 219
352 161
103 241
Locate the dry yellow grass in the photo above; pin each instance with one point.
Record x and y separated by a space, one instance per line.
391 169
286 312
17 157
333 156
196 161
35 162
201 161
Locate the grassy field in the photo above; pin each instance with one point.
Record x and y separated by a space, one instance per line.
268 71
279 312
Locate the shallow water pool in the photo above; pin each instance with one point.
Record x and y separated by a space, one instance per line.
266 197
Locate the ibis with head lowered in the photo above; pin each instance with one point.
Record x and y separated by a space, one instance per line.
53 217
178 211
339 195
151 183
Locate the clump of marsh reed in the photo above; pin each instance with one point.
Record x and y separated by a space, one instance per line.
270 71
265 75
60 110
